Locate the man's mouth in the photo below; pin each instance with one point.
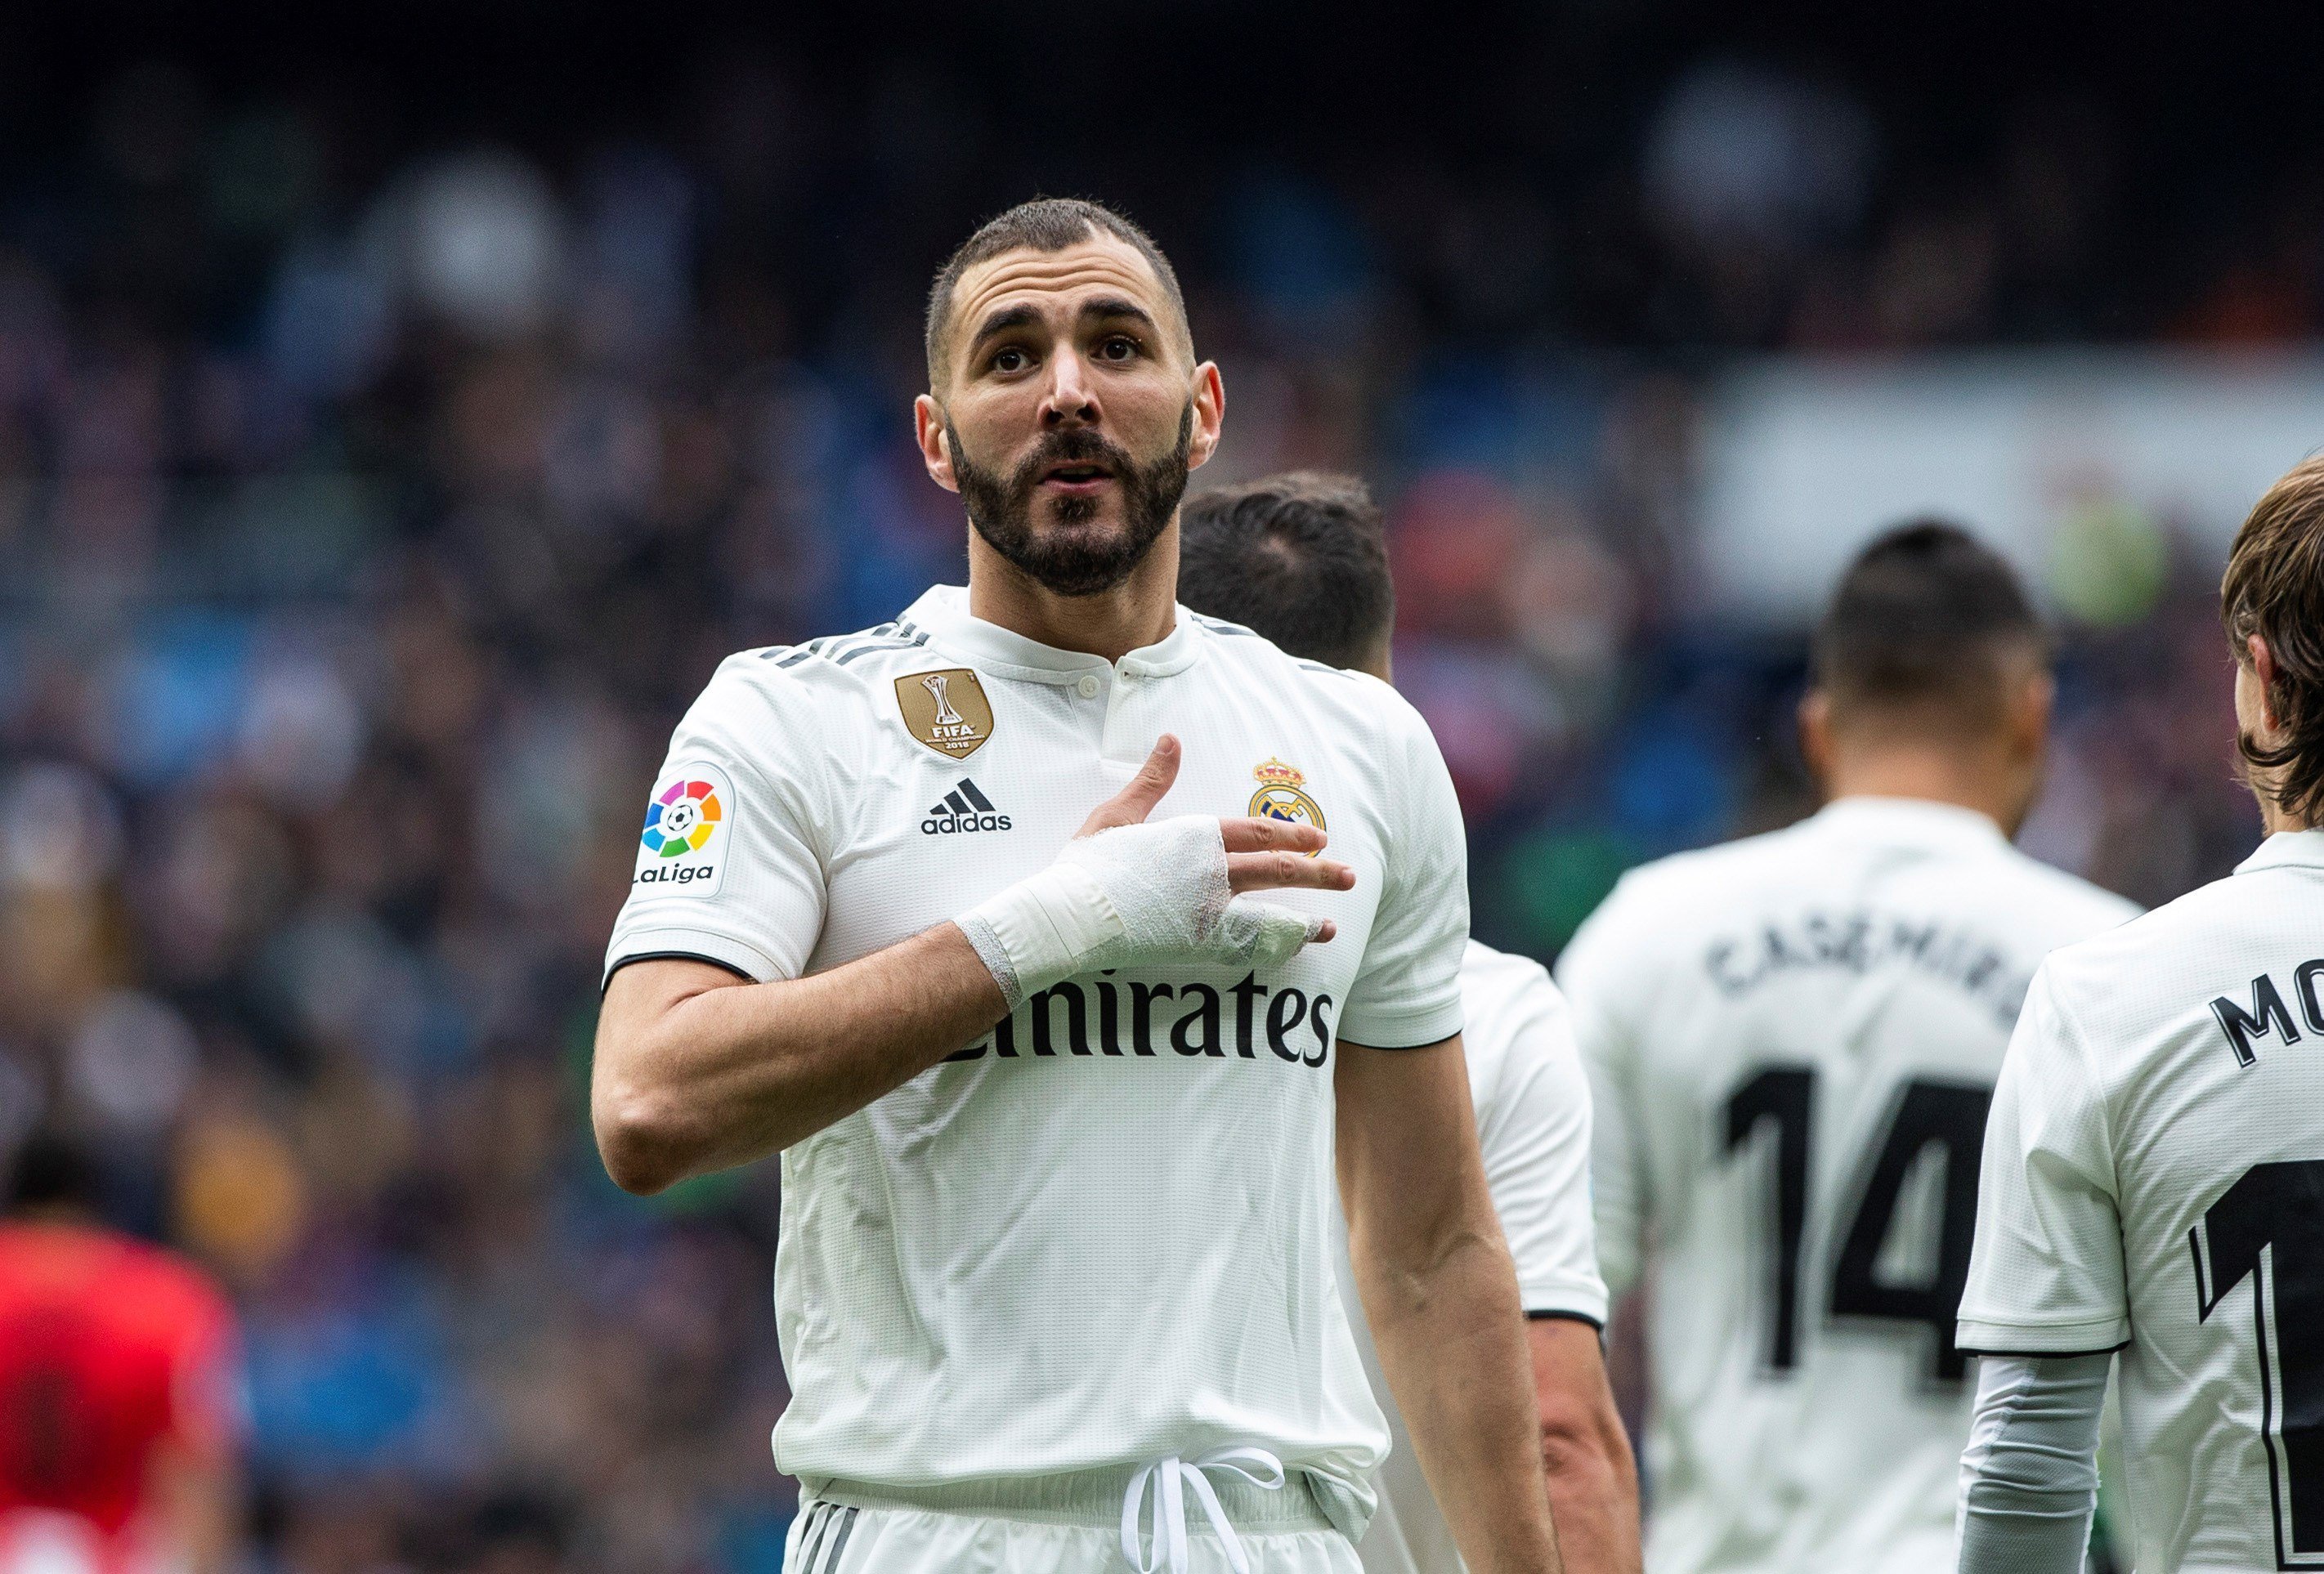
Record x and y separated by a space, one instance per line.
1081 476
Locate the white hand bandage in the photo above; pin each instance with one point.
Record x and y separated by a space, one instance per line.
1135 892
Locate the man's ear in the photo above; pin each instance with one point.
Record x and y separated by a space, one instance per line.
1210 401
2263 660
1815 735
2029 717
936 443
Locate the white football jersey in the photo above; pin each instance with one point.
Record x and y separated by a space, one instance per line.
1101 1235
1792 1042
2154 1180
1532 1101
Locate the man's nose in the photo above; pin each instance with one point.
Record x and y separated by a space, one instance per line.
1072 398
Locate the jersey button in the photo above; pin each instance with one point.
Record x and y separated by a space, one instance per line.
1087 686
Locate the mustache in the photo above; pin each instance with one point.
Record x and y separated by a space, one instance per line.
1073 446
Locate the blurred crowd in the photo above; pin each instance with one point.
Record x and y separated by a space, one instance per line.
369 512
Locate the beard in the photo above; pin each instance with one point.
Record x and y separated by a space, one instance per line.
1074 561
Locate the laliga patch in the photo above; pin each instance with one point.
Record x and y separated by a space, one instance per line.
682 851
947 711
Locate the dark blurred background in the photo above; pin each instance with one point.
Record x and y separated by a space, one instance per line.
400 414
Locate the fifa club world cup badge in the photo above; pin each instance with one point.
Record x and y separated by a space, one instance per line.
947 711
1282 795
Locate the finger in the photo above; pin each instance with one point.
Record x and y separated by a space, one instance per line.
1270 871
1262 834
1329 929
1133 803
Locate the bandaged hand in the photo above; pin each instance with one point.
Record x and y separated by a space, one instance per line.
1125 889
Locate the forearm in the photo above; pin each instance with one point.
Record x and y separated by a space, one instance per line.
1585 1451
691 1077
1593 1497
2029 1478
1450 1336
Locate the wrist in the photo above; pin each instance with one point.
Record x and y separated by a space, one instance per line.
1042 930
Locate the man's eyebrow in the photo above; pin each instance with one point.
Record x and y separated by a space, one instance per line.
1002 320
1115 306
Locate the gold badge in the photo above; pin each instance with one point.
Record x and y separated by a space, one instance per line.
1280 796
947 711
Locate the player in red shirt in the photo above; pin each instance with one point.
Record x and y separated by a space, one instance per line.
118 1414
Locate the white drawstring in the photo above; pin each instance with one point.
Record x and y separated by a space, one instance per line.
1170 1506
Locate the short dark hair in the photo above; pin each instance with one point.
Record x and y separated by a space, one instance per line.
1046 223
2275 587
1928 620
48 1170
1300 559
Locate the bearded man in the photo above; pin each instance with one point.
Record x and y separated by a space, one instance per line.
958 914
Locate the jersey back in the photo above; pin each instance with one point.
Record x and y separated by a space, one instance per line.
2154 1180
110 1352
1792 1042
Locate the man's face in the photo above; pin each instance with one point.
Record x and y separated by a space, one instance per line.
1071 411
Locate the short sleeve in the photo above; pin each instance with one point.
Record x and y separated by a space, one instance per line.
2046 1274
1606 1041
1408 991
728 865
1536 1140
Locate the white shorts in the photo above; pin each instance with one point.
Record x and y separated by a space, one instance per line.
1054 1526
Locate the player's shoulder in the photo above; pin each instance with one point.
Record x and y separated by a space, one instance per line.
1499 978
768 700
1509 996
1356 702
1701 885
142 1286
845 664
2115 974
172 1286
2072 907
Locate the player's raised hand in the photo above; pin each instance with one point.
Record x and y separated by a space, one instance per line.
1262 854
1126 889
1134 802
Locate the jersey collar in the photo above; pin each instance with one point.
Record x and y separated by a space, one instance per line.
1917 821
2295 847
943 611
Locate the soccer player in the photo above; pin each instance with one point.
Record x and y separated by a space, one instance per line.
118 1423
1793 1040
1300 559
957 915
2154 1169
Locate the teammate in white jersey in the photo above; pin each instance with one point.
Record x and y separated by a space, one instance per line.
1792 1041
2154 1169
1054 1095
1301 558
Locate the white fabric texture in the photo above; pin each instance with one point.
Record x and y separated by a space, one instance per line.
1532 1103
2030 1475
1771 1028
1157 891
831 1539
2152 1175
1099 1236
1161 1545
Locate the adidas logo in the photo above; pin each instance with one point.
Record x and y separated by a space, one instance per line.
963 809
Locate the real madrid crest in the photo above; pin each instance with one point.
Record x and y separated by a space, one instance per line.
1282 795
947 711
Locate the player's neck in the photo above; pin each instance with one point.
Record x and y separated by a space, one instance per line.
1140 611
1964 778
2274 817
